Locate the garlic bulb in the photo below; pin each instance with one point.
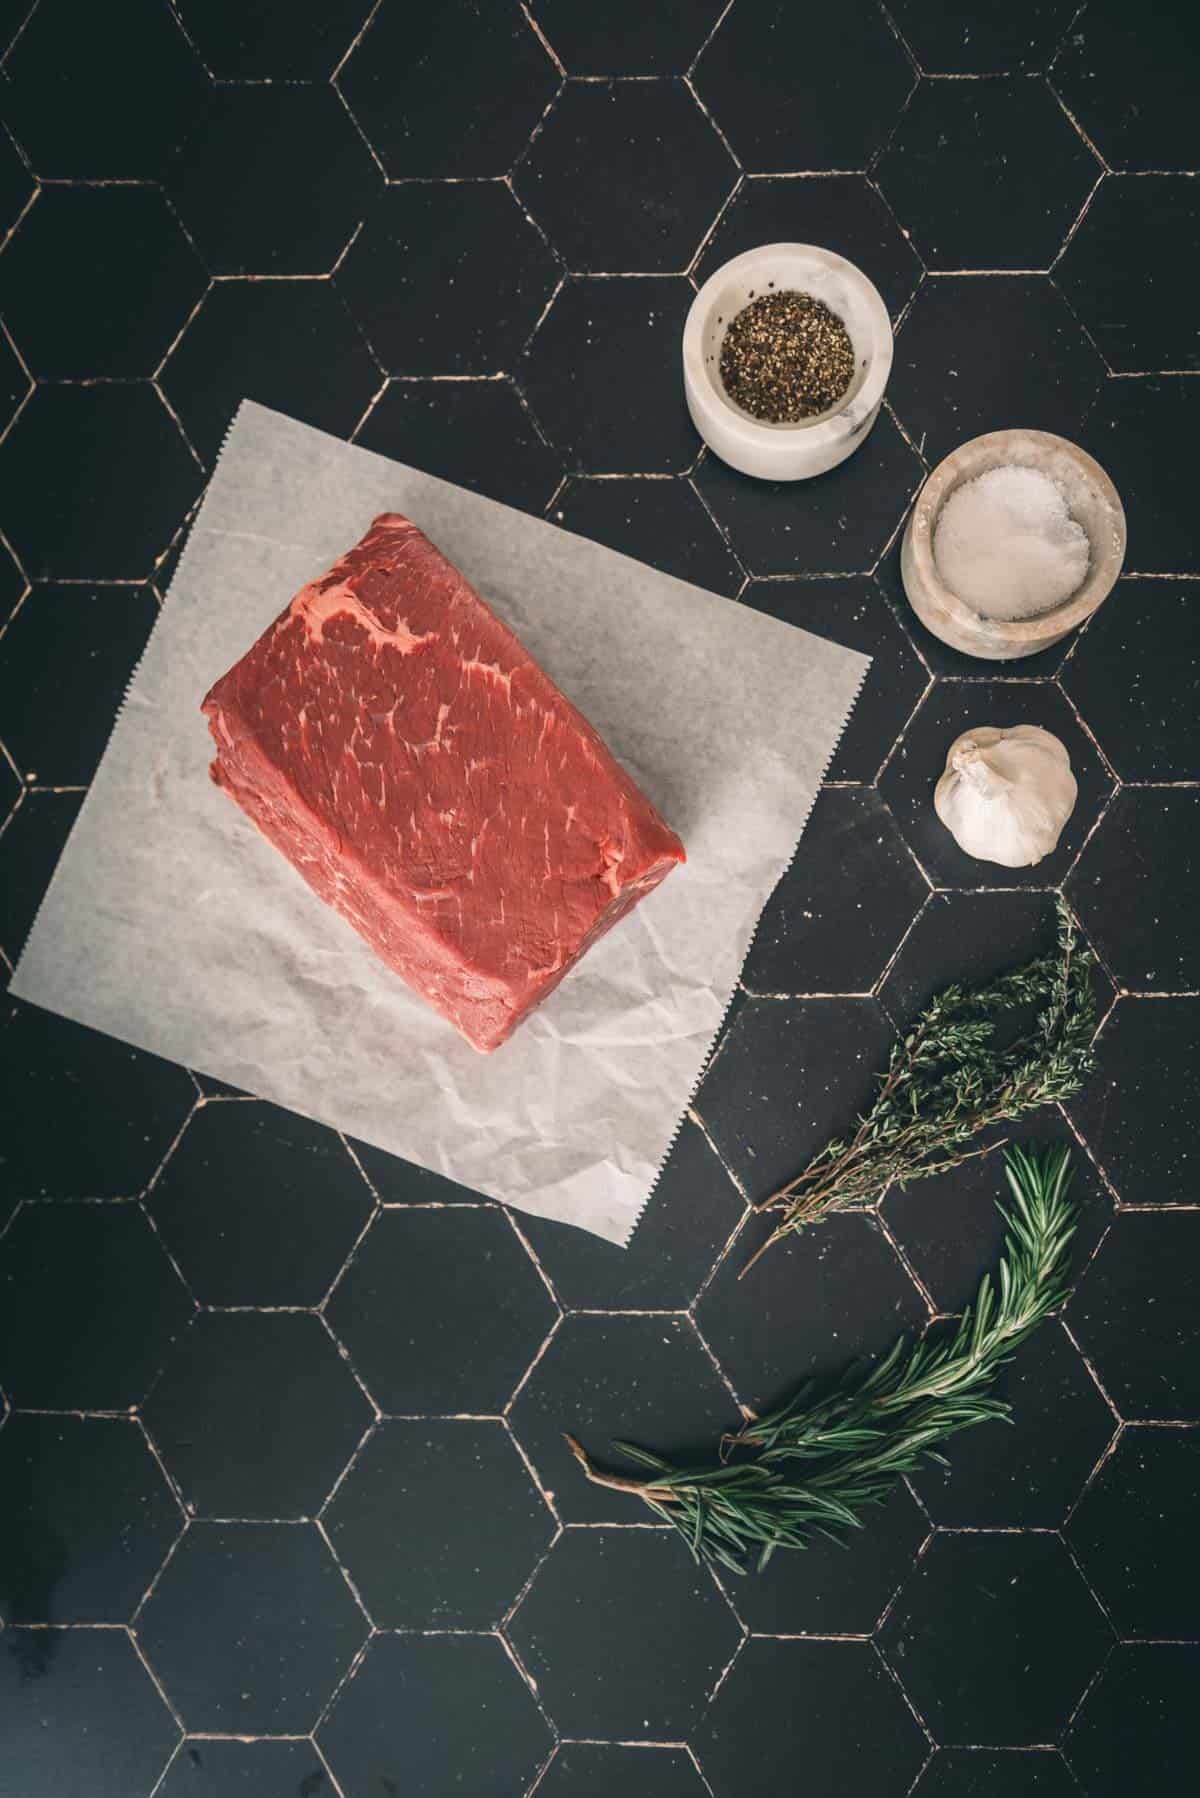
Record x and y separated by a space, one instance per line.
1006 794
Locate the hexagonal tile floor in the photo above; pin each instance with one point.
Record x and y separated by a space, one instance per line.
285 1506
283 343
625 175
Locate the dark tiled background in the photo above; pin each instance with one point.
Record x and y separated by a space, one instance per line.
284 1506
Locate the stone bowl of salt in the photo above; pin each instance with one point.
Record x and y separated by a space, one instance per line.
1015 539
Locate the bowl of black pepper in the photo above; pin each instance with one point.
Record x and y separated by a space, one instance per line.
786 354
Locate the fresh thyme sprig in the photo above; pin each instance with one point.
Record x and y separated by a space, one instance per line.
813 1466
947 1081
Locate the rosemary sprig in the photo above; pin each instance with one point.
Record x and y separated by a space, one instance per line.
812 1467
947 1081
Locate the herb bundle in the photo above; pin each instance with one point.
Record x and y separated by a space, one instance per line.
947 1081
813 1466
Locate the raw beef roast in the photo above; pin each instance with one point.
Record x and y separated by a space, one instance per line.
390 735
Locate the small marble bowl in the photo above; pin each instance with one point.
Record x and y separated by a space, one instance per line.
1094 503
790 452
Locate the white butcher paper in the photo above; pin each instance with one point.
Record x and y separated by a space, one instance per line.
172 924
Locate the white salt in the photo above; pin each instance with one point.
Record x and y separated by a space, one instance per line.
1006 543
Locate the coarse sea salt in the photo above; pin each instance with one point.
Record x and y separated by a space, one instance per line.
1006 543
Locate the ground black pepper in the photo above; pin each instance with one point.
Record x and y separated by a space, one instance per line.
786 357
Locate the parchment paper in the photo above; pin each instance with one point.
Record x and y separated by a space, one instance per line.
171 924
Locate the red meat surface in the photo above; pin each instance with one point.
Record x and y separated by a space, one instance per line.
393 739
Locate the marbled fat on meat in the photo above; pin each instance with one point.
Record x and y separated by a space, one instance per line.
394 740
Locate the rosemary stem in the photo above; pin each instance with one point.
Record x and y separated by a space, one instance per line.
616 1482
814 1467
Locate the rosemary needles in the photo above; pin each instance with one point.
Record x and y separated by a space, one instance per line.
813 1466
947 1081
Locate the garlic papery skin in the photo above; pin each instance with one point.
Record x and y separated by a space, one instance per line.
1006 794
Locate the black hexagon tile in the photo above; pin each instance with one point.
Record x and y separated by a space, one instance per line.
79 1713
657 1635
601 375
400 1182
645 1380
996 1638
948 1225
271 41
476 433
417 1351
97 97
582 1769
660 522
1029 1472
250 1627
840 910
124 1108
15 384
288 344
840 212
398 75
1039 372
1147 1576
978 38
854 613
939 656
91 1304
810 1307
72 509
13 584
256 1414
1145 1088
31 840
986 174
427 1715
1121 274
804 90
118 323
1134 675
791 1073
625 37
996 1773
1136 1728
625 175
16 183
690 1215
1147 842
447 278
259 1206
1137 432
405 1523
837 523
30 846
828 1707
65 661
209 1767
909 779
10 788
1134 1314
841 1583
1129 81
86 1517
272 180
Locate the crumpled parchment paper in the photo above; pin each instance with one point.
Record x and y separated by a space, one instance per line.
171 924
